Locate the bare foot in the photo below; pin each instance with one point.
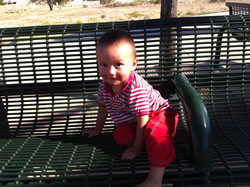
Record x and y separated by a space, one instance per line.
130 153
154 178
149 184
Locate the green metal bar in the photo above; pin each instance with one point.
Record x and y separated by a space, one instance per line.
4 126
198 123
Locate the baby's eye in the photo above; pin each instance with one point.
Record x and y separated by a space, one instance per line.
103 65
119 64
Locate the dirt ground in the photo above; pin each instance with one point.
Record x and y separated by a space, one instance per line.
31 15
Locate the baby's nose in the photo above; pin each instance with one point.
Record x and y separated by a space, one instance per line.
112 70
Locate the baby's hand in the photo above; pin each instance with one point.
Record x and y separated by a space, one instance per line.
130 153
90 132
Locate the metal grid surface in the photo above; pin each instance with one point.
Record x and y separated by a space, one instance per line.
49 81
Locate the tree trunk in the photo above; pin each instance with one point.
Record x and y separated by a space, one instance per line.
168 37
50 3
169 8
168 43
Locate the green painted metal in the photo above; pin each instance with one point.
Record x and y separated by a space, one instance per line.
197 122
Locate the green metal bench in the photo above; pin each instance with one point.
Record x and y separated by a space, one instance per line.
238 8
48 87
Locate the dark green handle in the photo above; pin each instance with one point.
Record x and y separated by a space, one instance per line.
4 127
197 122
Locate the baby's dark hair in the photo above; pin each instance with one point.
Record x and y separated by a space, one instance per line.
115 35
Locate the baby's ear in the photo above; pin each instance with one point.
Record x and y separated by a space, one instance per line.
135 63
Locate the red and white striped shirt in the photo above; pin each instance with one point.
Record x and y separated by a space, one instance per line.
137 97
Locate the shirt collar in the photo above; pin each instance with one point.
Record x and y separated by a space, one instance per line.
125 84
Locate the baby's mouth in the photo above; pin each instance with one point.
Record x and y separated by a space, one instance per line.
112 78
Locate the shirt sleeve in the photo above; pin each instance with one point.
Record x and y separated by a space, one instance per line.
139 102
100 98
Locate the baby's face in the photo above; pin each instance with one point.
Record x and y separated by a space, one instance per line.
115 62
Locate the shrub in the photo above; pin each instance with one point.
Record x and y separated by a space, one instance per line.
79 21
214 1
107 2
135 14
155 1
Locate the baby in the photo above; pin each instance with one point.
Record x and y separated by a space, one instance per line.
141 116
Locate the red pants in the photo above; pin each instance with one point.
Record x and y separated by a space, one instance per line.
158 136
